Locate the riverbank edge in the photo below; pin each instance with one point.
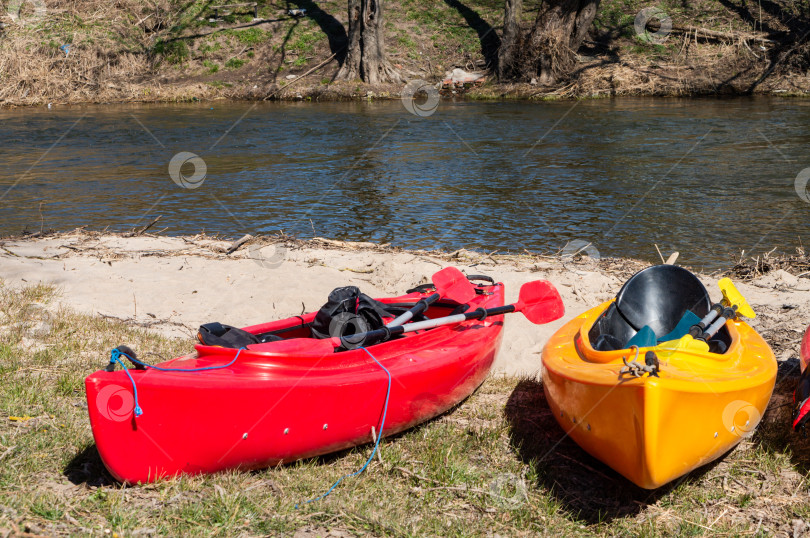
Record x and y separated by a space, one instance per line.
358 92
104 273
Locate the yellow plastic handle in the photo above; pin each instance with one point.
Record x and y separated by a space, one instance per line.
732 297
685 343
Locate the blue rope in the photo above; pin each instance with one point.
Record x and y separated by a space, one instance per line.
116 353
115 356
376 443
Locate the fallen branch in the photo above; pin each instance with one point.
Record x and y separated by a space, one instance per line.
146 324
706 33
405 471
143 19
716 34
238 243
323 63
139 232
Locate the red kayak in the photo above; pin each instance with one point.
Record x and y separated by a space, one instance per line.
285 400
801 396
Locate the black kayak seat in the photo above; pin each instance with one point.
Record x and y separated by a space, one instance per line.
659 296
655 299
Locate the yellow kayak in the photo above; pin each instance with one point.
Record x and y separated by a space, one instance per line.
652 401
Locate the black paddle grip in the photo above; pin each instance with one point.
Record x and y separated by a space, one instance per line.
496 311
356 341
485 278
423 304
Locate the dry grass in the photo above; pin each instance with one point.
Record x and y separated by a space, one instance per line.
107 59
751 268
496 464
167 50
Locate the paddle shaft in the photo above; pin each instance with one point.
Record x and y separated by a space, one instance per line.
417 309
727 314
713 321
701 332
353 341
698 329
458 318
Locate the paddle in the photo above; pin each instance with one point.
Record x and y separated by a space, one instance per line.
732 305
450 283
539 301
732 298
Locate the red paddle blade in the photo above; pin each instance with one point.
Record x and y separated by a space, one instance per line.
540 302
453 285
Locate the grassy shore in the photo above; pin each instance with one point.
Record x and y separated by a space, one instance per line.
496 464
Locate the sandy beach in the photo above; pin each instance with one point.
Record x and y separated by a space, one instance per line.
174 284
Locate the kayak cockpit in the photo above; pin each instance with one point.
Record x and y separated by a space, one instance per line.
300 326
658 304
294 338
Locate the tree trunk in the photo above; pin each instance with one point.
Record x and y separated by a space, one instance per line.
513 9
365 58
549 49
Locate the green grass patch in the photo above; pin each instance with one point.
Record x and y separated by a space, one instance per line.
210 47
405 41
174 52
249 36
210 66
235 63
305 43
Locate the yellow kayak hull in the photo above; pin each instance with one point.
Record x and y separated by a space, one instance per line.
653 430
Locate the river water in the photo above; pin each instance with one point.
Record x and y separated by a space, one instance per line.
706 177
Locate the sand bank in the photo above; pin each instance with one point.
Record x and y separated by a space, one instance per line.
174 284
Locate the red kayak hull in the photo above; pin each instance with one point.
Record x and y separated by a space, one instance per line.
284 401
801 395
